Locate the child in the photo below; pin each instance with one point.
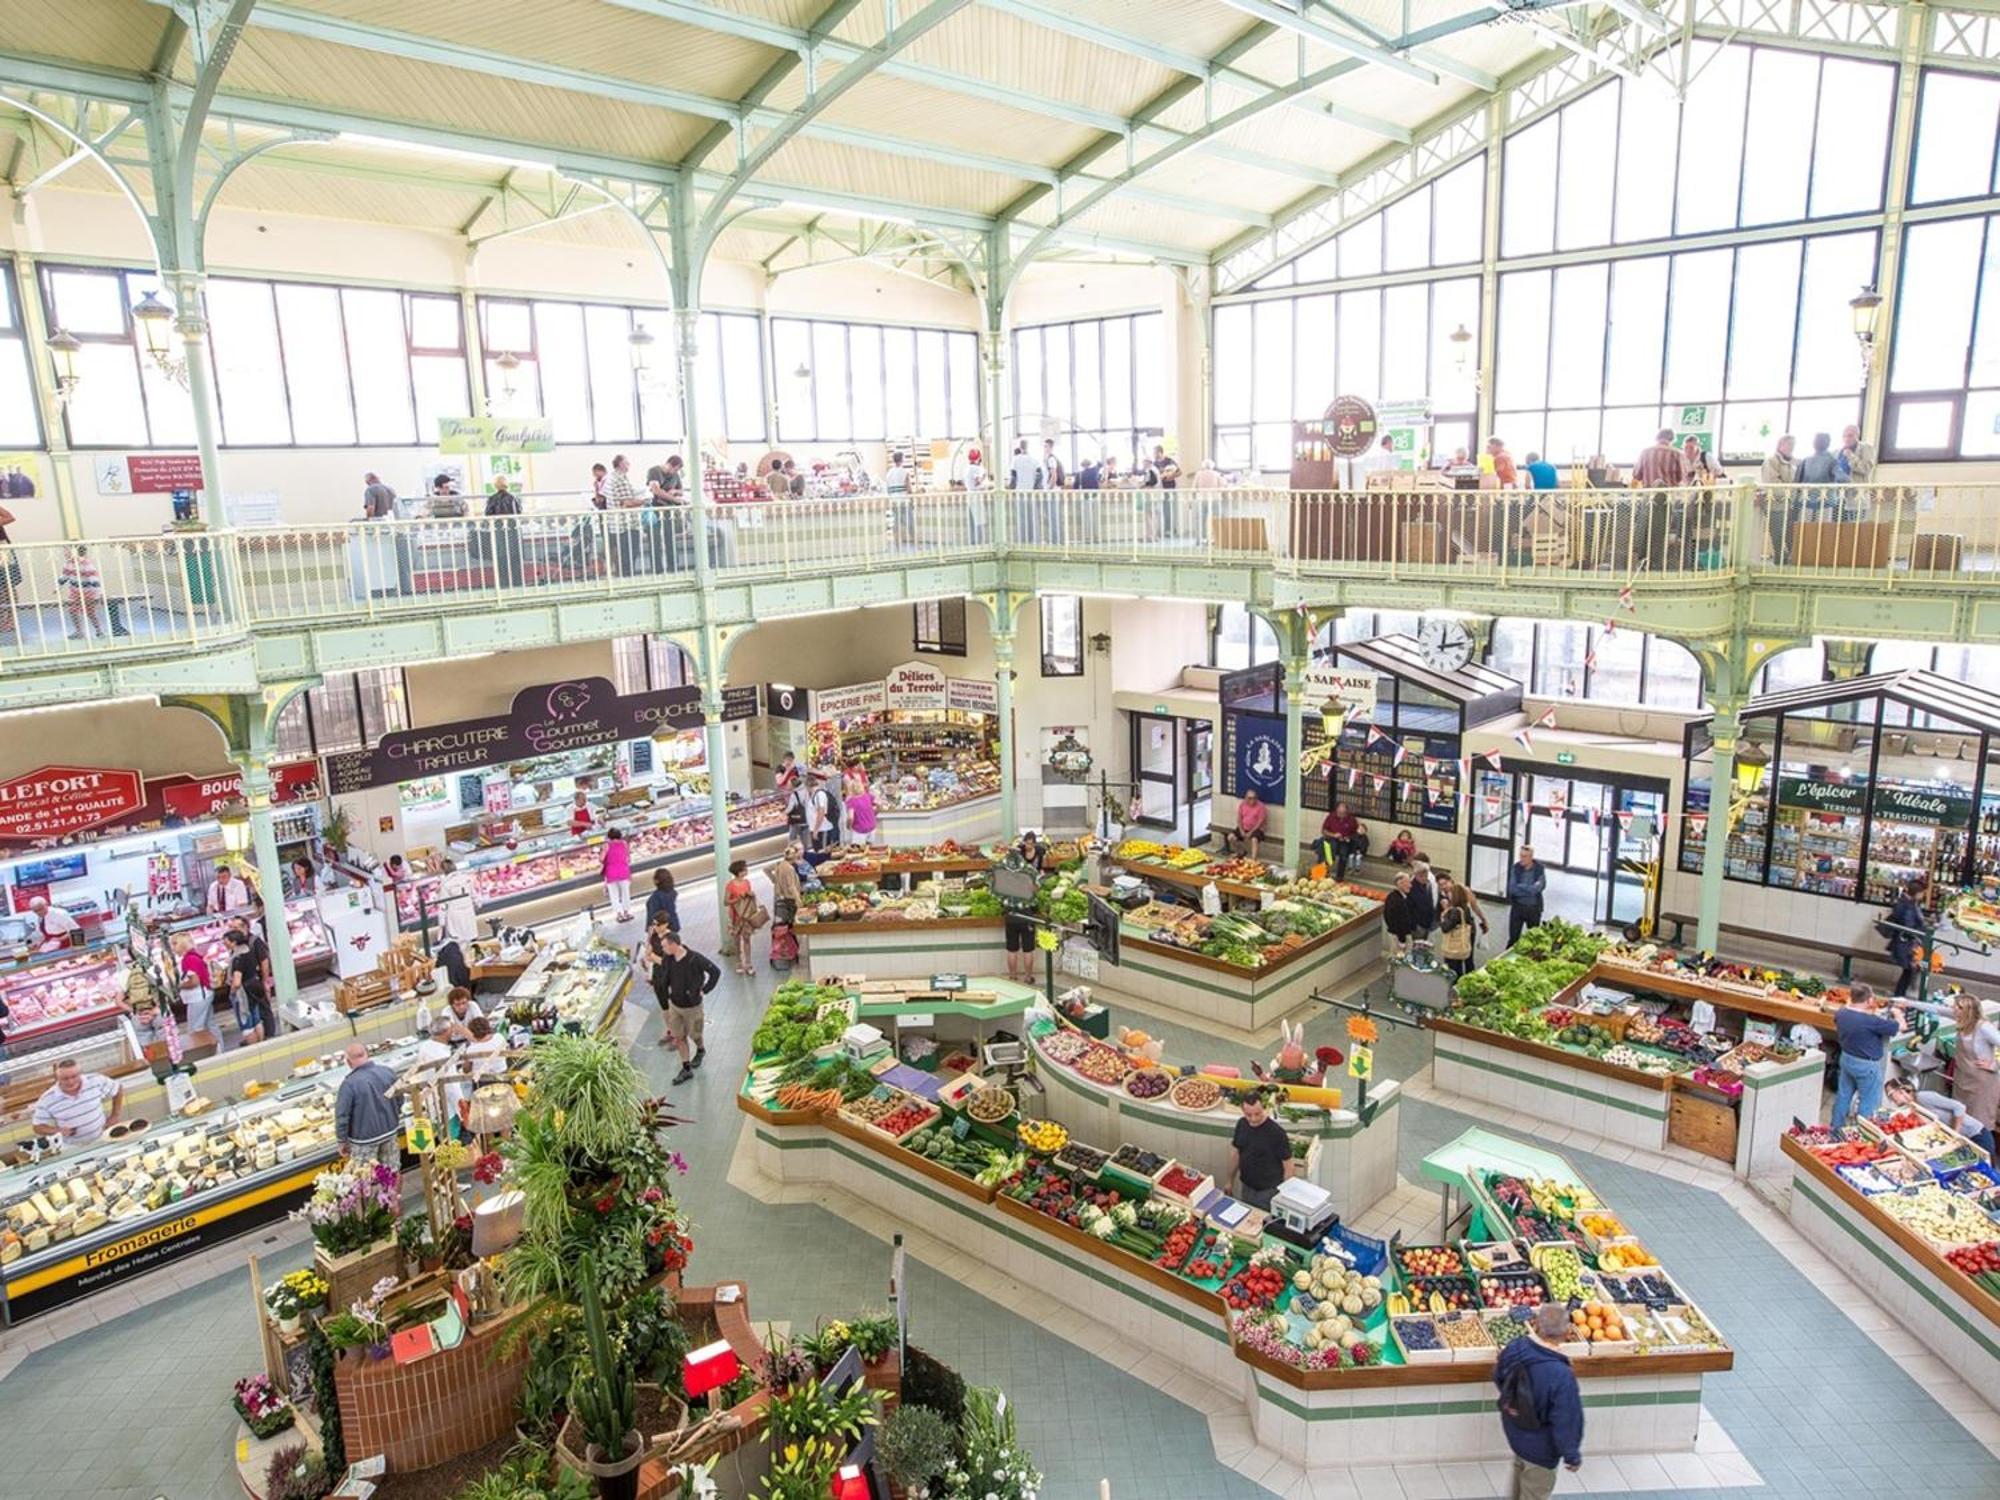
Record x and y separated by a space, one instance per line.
1403 848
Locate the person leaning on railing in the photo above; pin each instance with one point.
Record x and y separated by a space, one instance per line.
1659 469
1776 478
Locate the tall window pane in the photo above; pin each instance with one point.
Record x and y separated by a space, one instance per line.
1458 213
1528 182
1934 319
1576 336
559 349
1360 342
107 410
1783 86
1589 156
614 394
1233 363
791 352
1405 317
1524 339
1273 374
1956 124
1149 372
1766 304
708 376
1406 228
1837 266
248 369
379 355
962 353
937 401
743 379
1699 326
864 355
1648 127
1087 353
1853 139
899 366
1712 140
1361 248
315 340
1313 379
1638 332
830 393
1118 377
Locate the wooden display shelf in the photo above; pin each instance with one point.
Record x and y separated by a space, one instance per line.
1914 1245
1559 1055
1193 880
1722 997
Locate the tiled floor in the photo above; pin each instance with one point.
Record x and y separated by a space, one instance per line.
132 1402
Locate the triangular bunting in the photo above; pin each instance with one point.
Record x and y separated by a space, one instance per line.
1522 739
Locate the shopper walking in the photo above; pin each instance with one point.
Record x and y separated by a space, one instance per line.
1906 928
255 1021
1819 468
682 978
455 895
1425 901
378 500
860 808
1396 920
823 813
902 516
1526 882
618 874
1864 1034
1503 462
664 904
1541 1408
367 1116
743 914
1025 479
1460 925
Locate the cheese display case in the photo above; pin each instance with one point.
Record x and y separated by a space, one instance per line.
1640 1045
568 987
554 862
85 1218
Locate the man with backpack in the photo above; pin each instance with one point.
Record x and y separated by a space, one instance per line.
1541 1409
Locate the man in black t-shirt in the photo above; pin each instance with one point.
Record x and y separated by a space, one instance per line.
246 988
1260 1154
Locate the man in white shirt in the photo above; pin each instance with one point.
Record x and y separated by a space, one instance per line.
1024 478
227 892
75 1103
56 925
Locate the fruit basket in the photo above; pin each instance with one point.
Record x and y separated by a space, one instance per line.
1148 1083
1506 1324
1195 1095
1065 1046
1599 1329
1442 1294
1102 1064
1625 1255
990 1105
1043 1137
1417 1336
1523 1288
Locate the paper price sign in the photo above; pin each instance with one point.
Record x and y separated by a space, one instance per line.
1361 1063
1047 939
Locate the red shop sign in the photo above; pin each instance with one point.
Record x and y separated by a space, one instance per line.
163 473
56 801
201 798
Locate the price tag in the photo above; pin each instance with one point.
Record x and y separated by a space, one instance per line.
1047 939
1765 1032
947 984
1211 900
1361 1062
961 1127
180 1091
917 1018
1702 1016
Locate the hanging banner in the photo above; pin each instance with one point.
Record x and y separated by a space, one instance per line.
52 802
1253 755
543 720
972 695
1937 805
496 434
201 797
162 473
1845 798
914 685
845 702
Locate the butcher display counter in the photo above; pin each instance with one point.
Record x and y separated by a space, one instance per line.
555 862
312 948
155 1192
71 992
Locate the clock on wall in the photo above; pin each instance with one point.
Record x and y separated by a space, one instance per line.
1445 644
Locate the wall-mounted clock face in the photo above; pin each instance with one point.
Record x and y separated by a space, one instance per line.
1446 644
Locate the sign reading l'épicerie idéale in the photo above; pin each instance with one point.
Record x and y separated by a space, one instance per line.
1939 805
543 720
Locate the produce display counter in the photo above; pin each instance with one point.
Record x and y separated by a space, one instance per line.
1921 1237
1030 1219
1580 1035
87 1218
1214 989
968 819
1353 1158
892 946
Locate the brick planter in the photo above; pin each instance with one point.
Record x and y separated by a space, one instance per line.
732 1321
419 1415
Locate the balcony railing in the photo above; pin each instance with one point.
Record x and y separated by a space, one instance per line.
137 595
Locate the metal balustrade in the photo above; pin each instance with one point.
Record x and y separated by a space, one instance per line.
71 601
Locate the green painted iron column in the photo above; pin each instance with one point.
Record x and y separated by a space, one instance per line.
257 787
718 781
1714 849
1003 676
1295 698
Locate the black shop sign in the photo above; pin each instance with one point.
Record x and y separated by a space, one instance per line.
543 720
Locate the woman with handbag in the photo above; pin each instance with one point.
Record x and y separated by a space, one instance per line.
743 914
1459 927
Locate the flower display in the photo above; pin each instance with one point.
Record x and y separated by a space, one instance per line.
296 1294
263 1410
352 1206
487 1169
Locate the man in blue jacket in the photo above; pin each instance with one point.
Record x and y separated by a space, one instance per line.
1541 1410
1526 882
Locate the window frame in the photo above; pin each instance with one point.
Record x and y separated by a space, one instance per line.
946 635
1123 441
16 333
1061 663
788 410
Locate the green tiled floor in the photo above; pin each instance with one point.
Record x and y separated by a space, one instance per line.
138 1407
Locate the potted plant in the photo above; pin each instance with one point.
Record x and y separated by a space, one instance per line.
262 1409
420 1251
603 1421
352 1215
916 1446
993 1466
292 1297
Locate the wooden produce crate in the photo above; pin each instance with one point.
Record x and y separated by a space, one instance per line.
351 1277
1424 542
363 992
1702 1124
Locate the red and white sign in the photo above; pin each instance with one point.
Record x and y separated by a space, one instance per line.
914 685
709 1368
163 473
201 798
56 801
972 695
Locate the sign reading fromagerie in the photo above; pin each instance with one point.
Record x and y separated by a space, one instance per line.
55 801
544 720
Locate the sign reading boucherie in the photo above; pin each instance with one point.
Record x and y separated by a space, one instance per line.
56 801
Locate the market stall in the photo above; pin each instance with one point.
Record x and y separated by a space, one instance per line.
1101 1091
1634 1045
930 744
1319 1313
1907 1208
165 1186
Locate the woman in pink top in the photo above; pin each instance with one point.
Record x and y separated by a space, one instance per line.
861 813
1250 815
618 875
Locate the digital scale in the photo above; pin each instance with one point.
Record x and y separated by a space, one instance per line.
1301 1213
861 1042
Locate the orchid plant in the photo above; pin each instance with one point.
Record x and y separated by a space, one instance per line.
352 1207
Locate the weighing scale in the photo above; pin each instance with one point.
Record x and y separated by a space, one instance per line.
1302 1213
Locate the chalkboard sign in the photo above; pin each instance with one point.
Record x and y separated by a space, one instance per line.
642 758
946 984
472 793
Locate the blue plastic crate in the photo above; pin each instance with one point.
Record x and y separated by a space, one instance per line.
1371 1256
